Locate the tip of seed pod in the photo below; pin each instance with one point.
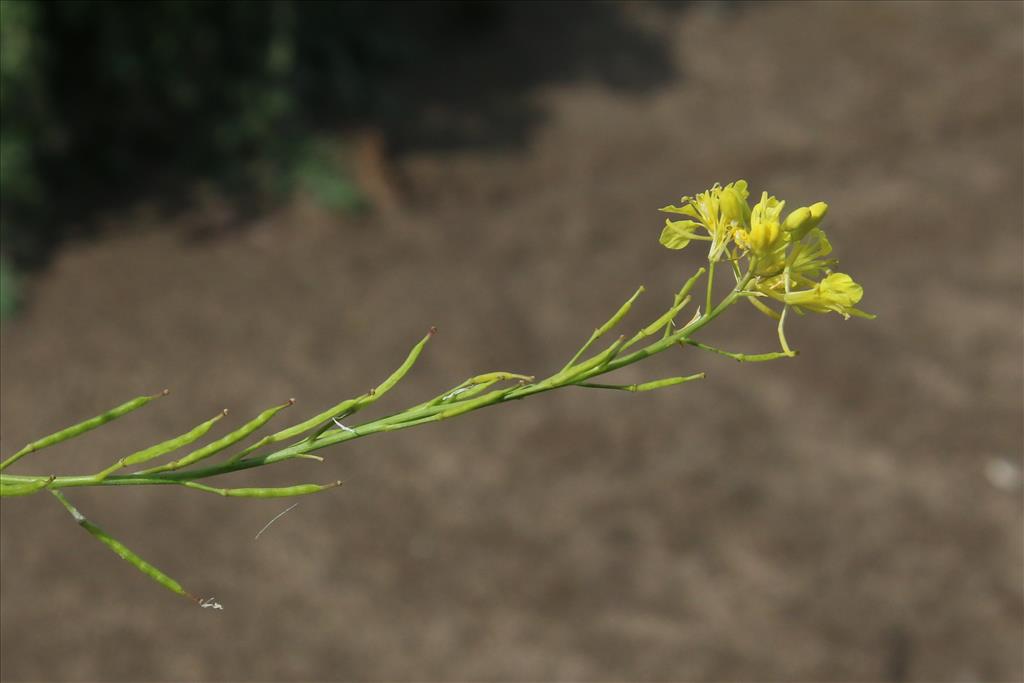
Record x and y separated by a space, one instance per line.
432 331
165 392
224 412
291 401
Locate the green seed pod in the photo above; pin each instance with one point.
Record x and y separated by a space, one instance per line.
156 451
222 443
373 395
742 357
24 489
347 407
265 492
658 324
605 328
646 386
438 413
597 361
301 428
123 551
481 383
689 284
82 427
668 382
682 295
619 314
473 404
401 372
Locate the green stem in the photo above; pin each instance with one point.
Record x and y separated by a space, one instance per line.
711 282
682 294
782 317
603 363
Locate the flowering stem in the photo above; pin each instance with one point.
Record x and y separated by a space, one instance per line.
793 248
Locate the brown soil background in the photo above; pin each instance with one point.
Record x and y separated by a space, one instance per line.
825 519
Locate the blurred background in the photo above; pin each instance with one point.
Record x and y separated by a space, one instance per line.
246 202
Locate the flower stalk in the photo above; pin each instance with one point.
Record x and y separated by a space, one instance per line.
775 260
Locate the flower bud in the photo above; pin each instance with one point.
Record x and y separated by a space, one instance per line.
763 236
733 208
818 211
803 220
797 219
764 231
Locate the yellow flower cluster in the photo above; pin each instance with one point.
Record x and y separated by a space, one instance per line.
787 256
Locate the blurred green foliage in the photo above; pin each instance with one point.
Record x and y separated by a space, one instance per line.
100 101
10 293
319 173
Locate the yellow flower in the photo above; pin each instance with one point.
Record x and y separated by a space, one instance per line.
788 259
720 211
837 292
764 232
808 257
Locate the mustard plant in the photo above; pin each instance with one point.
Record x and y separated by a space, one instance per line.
778 263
